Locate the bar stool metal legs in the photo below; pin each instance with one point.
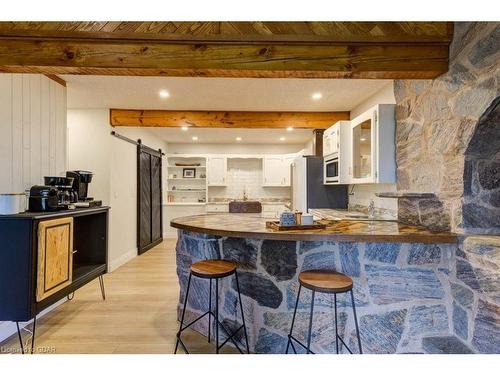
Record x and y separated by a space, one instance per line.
290 343
330 282
242 315
356 322
215 315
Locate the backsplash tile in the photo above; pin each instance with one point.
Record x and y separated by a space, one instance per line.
246 175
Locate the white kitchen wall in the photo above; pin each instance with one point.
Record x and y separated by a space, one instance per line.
89 149
363 193
32 130
384 96
114 161
246 174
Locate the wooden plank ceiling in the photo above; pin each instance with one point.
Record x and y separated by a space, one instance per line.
225 119
388 50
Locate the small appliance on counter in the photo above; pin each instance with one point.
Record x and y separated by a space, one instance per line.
43 199
66 195
81 180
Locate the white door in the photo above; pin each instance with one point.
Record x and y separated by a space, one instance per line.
216 171
273 171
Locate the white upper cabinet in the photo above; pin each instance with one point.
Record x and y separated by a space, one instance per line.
331 140
373 146
272 169
337 154
276 170
216 171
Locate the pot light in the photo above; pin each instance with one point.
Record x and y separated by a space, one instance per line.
185 128
362 139
195 138
282 139
238 139
164 94
289 129
317 96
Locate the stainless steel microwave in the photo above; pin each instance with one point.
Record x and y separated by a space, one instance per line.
331 170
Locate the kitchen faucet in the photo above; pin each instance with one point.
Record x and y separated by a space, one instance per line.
371 209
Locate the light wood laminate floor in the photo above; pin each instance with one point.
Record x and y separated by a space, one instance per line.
138 316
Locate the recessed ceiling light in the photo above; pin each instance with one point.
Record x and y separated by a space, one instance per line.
164 94
317 96
195 138
238 139
282 139
362 139
185 128
289 129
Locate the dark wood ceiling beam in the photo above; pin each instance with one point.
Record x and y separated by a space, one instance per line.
225 119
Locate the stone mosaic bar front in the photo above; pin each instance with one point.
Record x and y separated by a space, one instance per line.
410 298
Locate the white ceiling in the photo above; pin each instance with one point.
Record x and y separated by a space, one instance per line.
230 94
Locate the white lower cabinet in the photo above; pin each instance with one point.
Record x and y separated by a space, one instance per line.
217 207
272 211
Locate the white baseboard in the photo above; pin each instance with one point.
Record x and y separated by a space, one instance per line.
116 263
170 235
8 329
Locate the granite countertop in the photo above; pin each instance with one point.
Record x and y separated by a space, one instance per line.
339 214
254 226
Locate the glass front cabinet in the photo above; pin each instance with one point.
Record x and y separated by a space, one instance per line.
373 158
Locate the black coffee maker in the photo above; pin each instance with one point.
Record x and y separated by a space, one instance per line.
81 180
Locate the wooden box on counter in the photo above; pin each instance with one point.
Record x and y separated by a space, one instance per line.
46 256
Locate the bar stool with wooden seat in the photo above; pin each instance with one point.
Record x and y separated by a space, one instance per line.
213 269
324 281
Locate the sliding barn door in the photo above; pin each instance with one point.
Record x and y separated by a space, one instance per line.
149 215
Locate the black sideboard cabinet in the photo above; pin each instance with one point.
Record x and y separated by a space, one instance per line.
44 257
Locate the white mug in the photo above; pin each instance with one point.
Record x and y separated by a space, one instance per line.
307 219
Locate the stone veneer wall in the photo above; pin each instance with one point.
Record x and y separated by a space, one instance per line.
436 120
409 297
481 201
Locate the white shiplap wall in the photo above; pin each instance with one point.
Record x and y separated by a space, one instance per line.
32 137
32 130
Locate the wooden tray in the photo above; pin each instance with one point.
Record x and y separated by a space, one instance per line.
276 226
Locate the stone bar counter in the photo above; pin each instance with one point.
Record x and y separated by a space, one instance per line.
416 291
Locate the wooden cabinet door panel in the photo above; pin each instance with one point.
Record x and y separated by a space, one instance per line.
55 256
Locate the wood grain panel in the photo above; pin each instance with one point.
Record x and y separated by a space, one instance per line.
374 61
55 256
228 119
228 49
335 31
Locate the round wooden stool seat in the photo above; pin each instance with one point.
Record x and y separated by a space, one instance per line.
325 281
213 268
